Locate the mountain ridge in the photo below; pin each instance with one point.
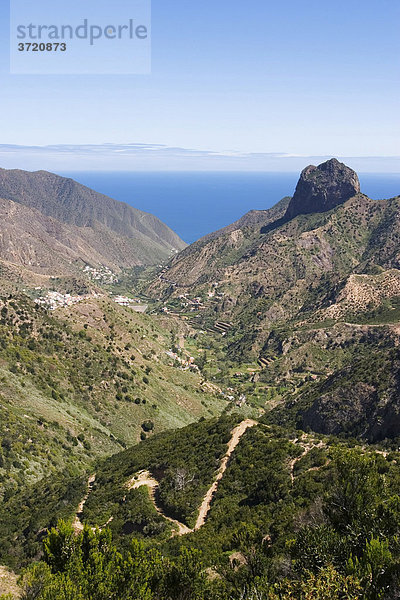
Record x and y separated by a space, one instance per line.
267 257
304 299
102 230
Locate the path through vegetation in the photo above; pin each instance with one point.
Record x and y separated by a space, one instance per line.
145 478
237 433
307 447
77 523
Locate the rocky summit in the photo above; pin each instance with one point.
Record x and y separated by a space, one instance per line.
322 188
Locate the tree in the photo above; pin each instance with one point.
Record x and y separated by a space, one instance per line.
358 489
377 570
186 579
59 547
328 584
34 580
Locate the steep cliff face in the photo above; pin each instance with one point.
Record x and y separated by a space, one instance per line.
322 188
270 268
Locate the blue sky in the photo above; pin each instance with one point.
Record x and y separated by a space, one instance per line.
306 78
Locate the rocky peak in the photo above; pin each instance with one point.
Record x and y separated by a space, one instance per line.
322 188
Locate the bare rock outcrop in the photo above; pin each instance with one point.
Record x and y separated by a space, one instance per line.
322 188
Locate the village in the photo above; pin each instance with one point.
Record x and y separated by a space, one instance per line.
53 300
186 363
102 274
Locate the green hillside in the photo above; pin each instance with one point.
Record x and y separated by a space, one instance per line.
293 513
53 225
86 381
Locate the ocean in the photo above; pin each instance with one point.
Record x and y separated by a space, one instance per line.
196 203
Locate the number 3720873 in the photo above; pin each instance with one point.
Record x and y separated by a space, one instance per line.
36 47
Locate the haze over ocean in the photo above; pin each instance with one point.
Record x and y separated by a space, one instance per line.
196 203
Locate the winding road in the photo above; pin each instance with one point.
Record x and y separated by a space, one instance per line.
307 447
144 478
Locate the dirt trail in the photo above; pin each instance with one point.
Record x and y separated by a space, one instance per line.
8 582
306 449
77 523
235 439
145 478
